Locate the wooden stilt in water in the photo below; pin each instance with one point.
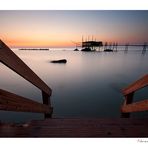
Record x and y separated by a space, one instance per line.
144 48
126 48
110 45
116 46
105 45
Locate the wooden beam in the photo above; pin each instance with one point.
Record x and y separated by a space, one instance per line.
10 59
13 102
135 107
136 85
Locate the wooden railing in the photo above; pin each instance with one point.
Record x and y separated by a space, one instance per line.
9 101
128 92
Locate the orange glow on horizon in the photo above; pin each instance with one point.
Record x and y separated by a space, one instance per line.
60 28
14 43
37 43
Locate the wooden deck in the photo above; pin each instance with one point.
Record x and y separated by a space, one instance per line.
121 127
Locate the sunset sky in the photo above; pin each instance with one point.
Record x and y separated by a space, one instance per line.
59 28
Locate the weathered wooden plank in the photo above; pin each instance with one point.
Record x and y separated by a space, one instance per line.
38 107
13 97
10 59
21 108
13 102
136 85
135 107
116 127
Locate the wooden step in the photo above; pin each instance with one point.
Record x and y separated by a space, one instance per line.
63 127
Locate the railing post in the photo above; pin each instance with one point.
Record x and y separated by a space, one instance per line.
128 100
46 100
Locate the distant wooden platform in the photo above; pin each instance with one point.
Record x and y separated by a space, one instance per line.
121 127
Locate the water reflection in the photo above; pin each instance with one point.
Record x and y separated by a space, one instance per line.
88 85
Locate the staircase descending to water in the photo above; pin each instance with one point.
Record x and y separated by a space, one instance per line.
63 127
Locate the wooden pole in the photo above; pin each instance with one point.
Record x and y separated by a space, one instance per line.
110 45
128 100
116 46
46 101
126 48
113 46
144 48
105 45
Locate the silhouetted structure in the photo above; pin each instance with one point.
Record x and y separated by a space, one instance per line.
76 49
108 48
77 44
91 45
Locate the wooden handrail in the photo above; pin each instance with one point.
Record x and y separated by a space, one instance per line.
128 92
13 102
136 85
11 60
135 107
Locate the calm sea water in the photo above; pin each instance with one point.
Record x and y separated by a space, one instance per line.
88 85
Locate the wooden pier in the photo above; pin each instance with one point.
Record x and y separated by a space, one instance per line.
114 46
